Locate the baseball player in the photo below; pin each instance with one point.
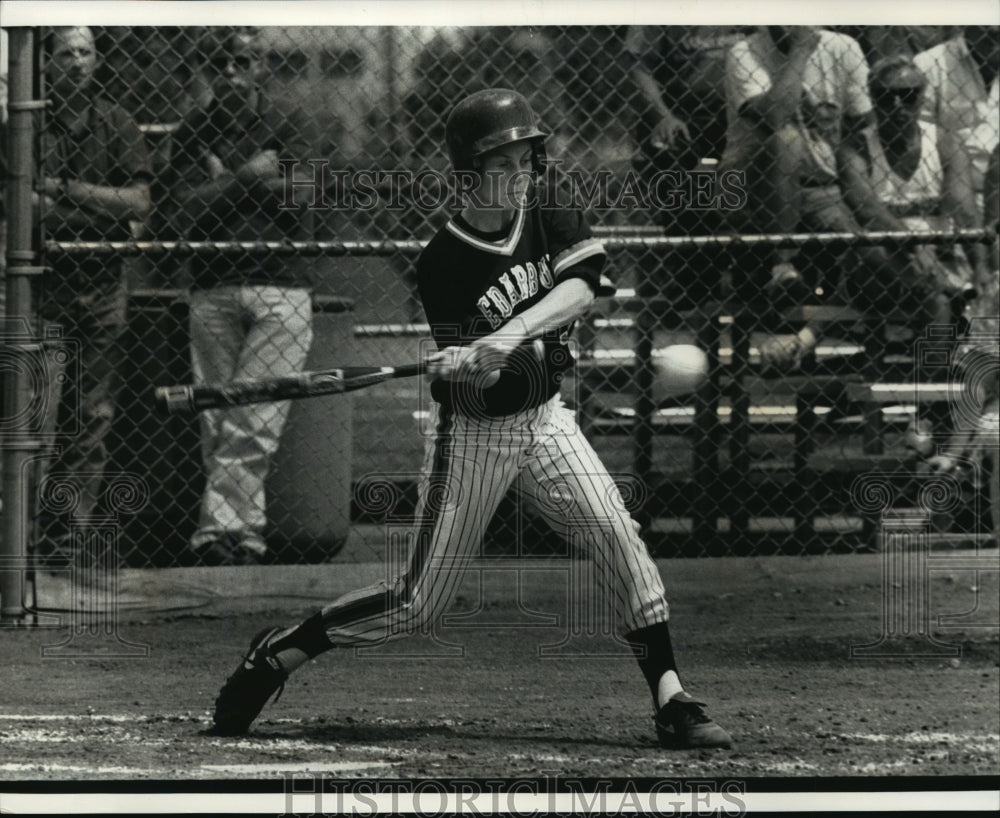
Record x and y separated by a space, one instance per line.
502 284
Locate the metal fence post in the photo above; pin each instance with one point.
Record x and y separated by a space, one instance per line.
19 444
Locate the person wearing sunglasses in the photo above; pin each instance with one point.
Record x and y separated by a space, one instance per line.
912 175
906 175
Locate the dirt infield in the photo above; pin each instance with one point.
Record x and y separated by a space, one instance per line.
766 641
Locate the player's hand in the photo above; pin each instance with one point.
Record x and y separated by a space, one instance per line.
478 364
264 165
51 187
669 131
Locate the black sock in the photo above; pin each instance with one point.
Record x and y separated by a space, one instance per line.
655 654
309 637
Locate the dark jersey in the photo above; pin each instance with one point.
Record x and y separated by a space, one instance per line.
472 283
258 215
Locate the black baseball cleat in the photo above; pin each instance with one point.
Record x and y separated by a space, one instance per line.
249 687
681 724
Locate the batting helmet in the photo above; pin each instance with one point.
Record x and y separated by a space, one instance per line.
487 120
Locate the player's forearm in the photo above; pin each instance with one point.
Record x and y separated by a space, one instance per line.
860 197
119 203
224 191
650 90
872 214
959 204
568 301
958 201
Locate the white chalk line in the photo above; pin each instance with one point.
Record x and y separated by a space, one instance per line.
78 768
985 743
975 742
115 736
105 717
913 737
926 738
384 756
785 767
299 767
271 745
302 745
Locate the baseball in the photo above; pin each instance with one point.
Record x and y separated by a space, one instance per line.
680 370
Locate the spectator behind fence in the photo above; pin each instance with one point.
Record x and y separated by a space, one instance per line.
907 175
95 175
920 179
251 316
679 72
963 91
679 76
793 93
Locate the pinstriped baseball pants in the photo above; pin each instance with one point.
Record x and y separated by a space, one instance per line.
469 466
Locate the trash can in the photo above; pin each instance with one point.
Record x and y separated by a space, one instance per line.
309 486
164 452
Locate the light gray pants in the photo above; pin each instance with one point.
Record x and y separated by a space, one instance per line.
237 333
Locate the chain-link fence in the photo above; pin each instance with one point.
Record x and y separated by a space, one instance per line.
831 358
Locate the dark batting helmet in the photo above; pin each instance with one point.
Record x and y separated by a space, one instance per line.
487 120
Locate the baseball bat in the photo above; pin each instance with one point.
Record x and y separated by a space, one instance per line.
183 398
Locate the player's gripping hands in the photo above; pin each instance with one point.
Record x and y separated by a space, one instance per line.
479 363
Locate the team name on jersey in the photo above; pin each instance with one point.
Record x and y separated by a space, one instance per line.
518 284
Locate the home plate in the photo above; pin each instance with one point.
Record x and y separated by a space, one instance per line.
300 767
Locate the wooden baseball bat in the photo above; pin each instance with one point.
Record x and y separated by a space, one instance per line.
183 398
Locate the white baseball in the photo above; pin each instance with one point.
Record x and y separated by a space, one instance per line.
680 370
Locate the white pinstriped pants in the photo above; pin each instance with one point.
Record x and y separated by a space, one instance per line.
469 465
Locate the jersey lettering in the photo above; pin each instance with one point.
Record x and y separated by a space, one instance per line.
487 310
512 294
545 274
531 277
520 283
501 303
